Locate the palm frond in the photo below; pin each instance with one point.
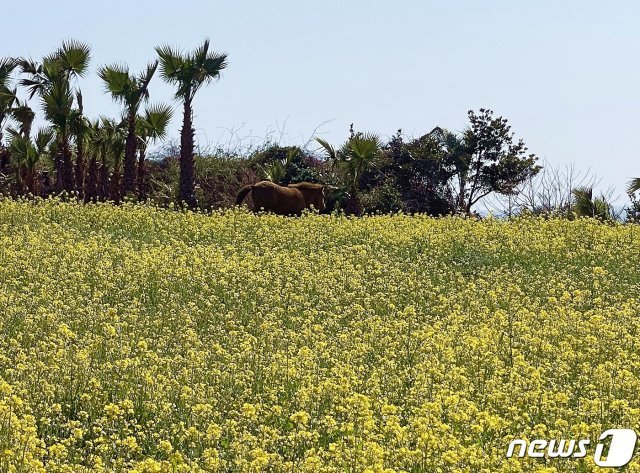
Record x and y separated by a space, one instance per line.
328 148
13 133
74 57
7 99
171 62
634 185
155 121
143 80
28 66
20 147
275 172
43 139
190 71
34 86
585 205
200 54
7 66
117 80
57 103
213 65
24 116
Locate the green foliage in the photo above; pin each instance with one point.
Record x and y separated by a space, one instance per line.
72 58
26 155
125 88
383 198
422 169
634 185
106 140
152 125
218 178
51 80
438 173
7 95
189 71
286 165
7 66
586 205
359 154
489 160
633 209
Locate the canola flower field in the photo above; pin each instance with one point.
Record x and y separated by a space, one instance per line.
136 339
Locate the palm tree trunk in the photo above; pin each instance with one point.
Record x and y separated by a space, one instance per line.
187 192
461 191
353 205
5 157
21 184
57 164
66 167
80 166
31 181
91 191
114 193
129 177
104 180
140 184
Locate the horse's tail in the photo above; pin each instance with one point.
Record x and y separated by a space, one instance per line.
243 193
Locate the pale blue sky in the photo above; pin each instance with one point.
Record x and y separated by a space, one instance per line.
565 73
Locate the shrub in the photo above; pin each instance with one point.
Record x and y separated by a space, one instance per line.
286 164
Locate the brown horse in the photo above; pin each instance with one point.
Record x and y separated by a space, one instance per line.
290 200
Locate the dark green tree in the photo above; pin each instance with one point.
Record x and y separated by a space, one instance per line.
488 159
421 170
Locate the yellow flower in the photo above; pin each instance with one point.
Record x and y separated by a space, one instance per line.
138 339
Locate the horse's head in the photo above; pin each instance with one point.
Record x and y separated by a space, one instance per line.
314 194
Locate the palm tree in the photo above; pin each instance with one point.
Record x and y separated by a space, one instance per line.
355 157
188 72
105 145
51 80
7 95
26 155
24 116
114 143
94 149
80 130
634 185
131 91
7 100
58 109
585 205
277 170
151 127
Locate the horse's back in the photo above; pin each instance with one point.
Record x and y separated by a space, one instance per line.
280 200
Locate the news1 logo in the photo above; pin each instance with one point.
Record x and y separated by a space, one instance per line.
620 451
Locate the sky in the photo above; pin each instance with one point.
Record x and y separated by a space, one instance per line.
565 74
